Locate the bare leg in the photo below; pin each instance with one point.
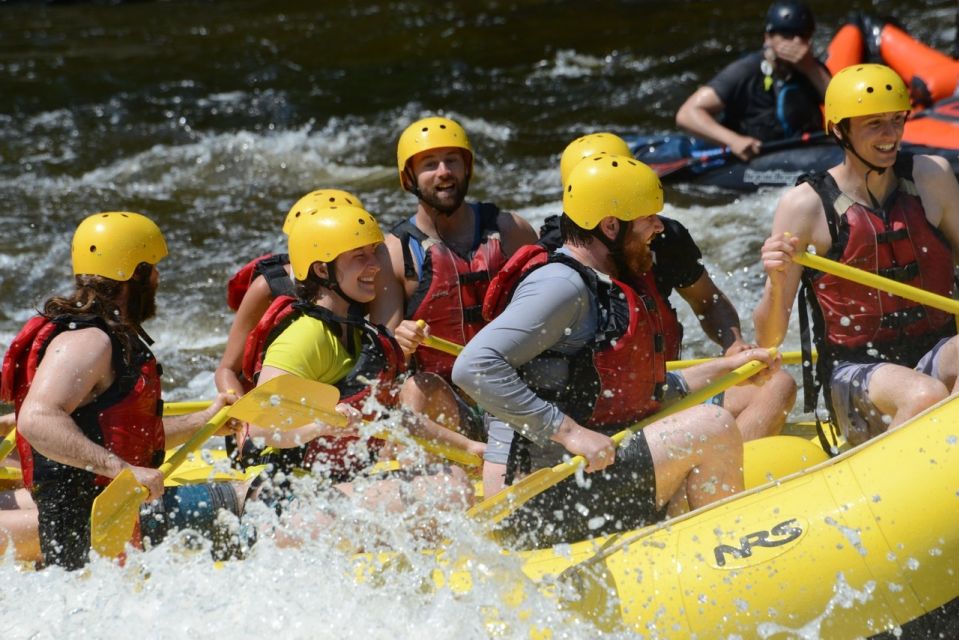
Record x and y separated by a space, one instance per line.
434 412
902 393
699 450
19 524
761 411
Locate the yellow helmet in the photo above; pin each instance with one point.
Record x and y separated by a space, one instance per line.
607 185
431 133
589 145
111 244
319 199
323 234
863 90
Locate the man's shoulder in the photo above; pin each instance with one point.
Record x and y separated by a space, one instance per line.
744 65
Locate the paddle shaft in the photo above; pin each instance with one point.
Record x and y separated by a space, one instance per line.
722 383
196 440
8 443
789 357
497 507
876 281
724 153
181 408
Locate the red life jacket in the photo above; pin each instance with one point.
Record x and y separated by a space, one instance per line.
380 361
271 267
672 329
451 287
859 323
125 419
617 378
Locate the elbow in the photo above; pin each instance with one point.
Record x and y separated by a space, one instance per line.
462 376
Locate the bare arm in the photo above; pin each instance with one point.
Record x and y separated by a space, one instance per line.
515 232
697 116
388 308
254 305
179 429
75 369
794 228
939 193
716 314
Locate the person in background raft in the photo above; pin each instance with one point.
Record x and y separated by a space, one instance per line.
442 258
322 335
768 95
882 358
86 387
573 353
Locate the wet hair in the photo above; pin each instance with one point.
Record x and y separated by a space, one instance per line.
308 288
98 297
573 234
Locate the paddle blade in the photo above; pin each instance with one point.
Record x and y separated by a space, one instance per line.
115 514
289 402
498 506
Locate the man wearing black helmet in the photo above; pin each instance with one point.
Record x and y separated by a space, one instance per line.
767 95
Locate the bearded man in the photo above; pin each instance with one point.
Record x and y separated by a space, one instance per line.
443 257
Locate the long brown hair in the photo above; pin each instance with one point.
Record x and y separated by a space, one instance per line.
98 296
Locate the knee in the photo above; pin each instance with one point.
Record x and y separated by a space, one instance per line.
923 395
717 428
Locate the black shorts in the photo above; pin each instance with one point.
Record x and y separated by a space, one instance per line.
64 509
621 497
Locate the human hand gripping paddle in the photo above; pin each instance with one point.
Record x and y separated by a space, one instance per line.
876 281
275 404
664 169
497 507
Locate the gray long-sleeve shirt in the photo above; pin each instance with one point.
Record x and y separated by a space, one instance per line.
551 309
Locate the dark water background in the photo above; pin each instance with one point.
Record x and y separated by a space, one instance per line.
213 118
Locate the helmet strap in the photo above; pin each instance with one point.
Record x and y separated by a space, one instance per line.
846 144
330 283
616 246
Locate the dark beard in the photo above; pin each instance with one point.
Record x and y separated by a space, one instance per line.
141 303
430 200
638 258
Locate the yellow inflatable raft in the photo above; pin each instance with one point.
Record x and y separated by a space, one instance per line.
852 547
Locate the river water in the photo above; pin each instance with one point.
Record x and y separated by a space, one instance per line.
213 118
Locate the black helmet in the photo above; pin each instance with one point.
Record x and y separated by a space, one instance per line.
790 17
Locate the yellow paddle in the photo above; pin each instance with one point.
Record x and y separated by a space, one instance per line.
876 281
188 406
301 387
8 443
497 507
789 357
117 508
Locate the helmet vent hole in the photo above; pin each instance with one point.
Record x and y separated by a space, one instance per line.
361 221
615 164
569 188
869 89
93 248
888 87
442 126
